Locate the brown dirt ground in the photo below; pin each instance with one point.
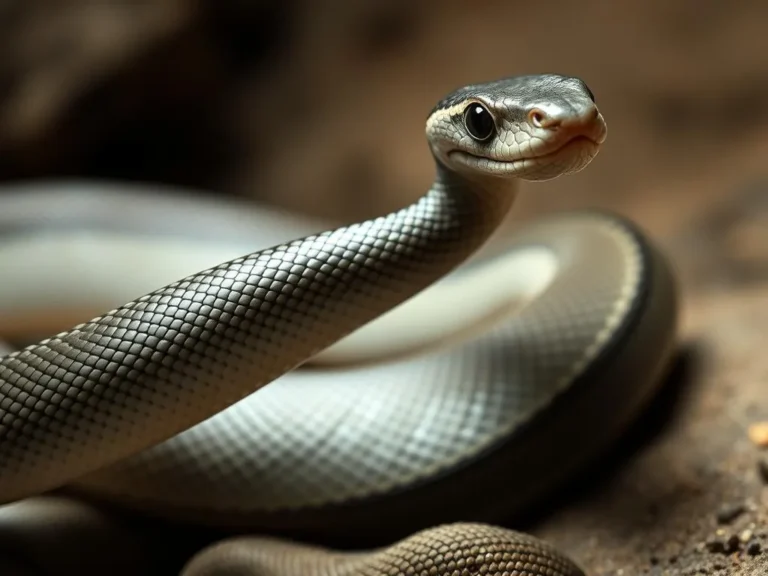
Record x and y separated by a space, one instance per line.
685 493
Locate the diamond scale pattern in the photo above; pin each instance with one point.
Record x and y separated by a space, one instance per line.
319 437
156 366
454 549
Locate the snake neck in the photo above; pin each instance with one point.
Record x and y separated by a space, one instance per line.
426 240
478 202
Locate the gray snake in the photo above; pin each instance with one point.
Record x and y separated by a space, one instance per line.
402 384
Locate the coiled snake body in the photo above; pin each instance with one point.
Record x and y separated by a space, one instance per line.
419 402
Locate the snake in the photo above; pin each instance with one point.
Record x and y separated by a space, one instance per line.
372 398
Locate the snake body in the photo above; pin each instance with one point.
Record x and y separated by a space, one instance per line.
392 412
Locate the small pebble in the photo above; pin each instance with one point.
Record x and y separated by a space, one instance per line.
732 544
758 433
762 470
754 548
715 546
723 546
730 512
745 536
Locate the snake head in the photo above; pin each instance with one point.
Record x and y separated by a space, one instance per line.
529 127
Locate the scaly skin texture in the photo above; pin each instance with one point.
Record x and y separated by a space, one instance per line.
156 366
449 550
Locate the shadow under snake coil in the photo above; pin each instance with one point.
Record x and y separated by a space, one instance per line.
407 394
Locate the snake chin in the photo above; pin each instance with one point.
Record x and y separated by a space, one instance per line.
573 156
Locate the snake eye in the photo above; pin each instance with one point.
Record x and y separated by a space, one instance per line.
479 122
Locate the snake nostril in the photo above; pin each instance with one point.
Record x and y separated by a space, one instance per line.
541 119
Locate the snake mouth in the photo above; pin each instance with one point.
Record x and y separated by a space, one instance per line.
573 154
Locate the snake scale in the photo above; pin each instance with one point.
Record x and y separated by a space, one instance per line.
410 400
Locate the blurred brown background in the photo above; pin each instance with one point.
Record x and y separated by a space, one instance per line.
319 107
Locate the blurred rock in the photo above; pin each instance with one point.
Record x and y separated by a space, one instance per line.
64 75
